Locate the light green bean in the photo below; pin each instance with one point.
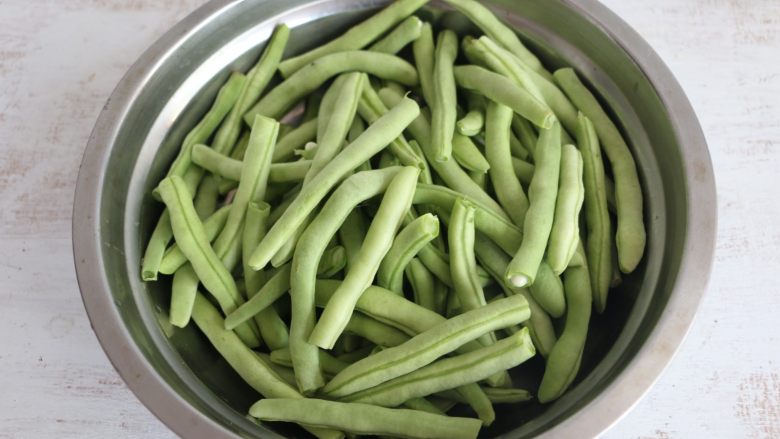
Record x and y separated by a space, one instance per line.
468 155
547 290
231 169
351 235
565 231
405 246
423 49
543 192
443 107
375 331
474 121
184 288
523 170
295 139
174 258
422 283
205 200
330 364
406 32
497 149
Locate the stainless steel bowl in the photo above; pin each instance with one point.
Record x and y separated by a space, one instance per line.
183 381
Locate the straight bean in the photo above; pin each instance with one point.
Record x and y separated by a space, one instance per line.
517 148
184 288
474 121
328 103
365 419
631 236
351 235
502 90
479 178
276 286
231 169
375 331
497 149
330 364
155 248
295 139
423 405
405 247
406 32
474 396
599 224
423 49
468 155
285 95
565 233
174 258
379 238
358 36
543 192
206 197
379 134
547 290
254 229
445 96
285 373
523 170
525 133
240 149
498 60
422 283
507 396
427 346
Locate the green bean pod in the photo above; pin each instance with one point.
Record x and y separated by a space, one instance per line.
424 49
564 360
295 139
356 37
205 200
497 149
365 419
517 148
523 170
376 244
330 364
547 290
502 90
443 107
427 346
630 236
565 233
449 373
599 224
468 155
474 121
422 283
542 194
525 133
184 288
351 235
174 258
375 331
405 33
279 100
255 227
379 134
405 247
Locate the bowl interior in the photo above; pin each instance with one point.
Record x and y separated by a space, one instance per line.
179 88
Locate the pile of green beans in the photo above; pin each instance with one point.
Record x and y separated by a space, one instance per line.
438 207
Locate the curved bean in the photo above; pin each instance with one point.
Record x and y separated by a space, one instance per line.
422 283
375 331
295 139
174 258
517 148
205 200
427 346
405 33
285 95
523 170
356 37
474 121
351 235
231 169
443 107
184 288
468 155
542 191
564 360
630 236
599 225
355 189
525 133
449 372
365 419
502 90
490 56
405 246
497 149
379 238
565 233
274 288
379 134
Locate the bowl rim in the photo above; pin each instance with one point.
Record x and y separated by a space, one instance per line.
603 411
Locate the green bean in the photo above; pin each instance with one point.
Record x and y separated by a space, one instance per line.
501 231
523 170
449 171
425 169
351 235
630 236
542 192
599 225
540 326
356 355
155 248
497 149
356 37
365 419
423 405
285 252
445 95
276 286
379 134
547 290
502 90
517 148
254 229
375 331
376 244
406 245
257 80
463 265
355 189
479 178
371 108
474 396
330 364
285 373
563 362
423 49
295 139
174 258
333 260
311 107
507 396
206 198
422 283
357 128
184 288
226 98
406 32
387 159
272 328
525 133
468 155
485 53
309 78
492 26
565 231
226 167
474 121
427 346
449 373
240 149
249 366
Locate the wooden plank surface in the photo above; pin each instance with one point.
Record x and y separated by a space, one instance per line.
59 62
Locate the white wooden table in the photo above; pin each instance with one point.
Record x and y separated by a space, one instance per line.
59 61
